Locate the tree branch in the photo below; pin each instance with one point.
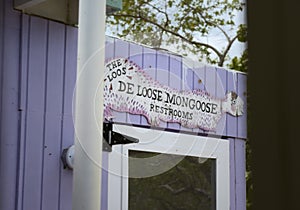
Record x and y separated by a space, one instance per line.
198 44
222 59
157 9
216 25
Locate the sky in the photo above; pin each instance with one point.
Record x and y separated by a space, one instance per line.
215 38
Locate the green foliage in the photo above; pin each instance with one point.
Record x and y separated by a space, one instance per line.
182 25
242 33
240 64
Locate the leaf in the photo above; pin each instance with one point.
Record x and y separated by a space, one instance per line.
242 33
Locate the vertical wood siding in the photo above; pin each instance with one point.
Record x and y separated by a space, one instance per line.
242 120
135 54
9 100
49 71
198 72
231 120
240 173
221 90
67 133
237 174
149 65
121 49
187 80
48 58
175 75
38 67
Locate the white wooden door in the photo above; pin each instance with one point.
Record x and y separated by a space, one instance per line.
168 170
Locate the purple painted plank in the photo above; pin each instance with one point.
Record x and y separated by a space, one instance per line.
210 85
135 55
67 134
162 68
10 65
232 174
37 64
10 69
150 62
242 92
198 82
121 50
51 162
188 78
24 60
10 55
199 76
221 88
2 9
231 120
188 74
109 48
162 73
12 17
149 65
70 69
9 116
240 167
3 201
55 67
8 158
210 80
33 161
54 99
175 80
22 103
66 180
187 82
35 116
1 42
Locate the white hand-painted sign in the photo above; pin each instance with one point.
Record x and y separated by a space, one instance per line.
127 88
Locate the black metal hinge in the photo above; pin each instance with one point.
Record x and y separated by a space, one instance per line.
111 137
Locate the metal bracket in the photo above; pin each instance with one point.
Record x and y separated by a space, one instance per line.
111 138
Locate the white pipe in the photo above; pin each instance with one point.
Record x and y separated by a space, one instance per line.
89 106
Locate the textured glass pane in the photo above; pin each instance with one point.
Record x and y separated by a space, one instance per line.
187 186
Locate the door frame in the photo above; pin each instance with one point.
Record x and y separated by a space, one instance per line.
161 141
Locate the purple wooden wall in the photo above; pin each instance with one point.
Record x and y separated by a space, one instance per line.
48 76
9 98
37 78
38 72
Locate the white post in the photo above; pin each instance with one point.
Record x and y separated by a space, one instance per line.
89 106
